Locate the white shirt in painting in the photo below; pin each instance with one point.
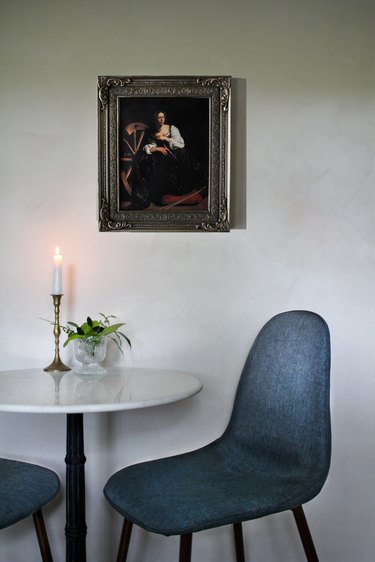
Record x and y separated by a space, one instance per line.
172 137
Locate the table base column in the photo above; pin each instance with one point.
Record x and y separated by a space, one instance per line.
75 529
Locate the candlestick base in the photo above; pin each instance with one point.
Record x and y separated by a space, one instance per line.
57 364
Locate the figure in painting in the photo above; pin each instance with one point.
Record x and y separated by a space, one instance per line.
163 172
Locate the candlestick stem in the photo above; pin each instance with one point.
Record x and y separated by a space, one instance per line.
57 364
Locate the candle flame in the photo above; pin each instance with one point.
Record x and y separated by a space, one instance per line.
57 250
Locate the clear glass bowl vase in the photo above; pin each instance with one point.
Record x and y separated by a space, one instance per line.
90 351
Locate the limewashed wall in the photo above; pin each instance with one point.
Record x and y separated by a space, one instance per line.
303 236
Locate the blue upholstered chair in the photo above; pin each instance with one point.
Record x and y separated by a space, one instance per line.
24 489
274 455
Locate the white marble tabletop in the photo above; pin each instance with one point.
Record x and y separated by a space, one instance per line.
122 388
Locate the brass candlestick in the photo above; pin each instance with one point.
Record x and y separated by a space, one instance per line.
57 364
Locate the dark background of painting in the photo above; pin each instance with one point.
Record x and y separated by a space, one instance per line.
189 115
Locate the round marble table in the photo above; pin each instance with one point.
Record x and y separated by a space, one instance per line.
37 391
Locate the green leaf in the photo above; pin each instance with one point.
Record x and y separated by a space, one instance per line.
126 338
72 337
110 329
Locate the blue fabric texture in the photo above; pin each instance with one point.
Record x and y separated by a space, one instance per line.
273 456
24 488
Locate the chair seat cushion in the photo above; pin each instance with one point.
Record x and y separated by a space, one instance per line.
204 489
24 489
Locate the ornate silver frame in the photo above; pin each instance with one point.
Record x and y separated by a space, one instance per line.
217 91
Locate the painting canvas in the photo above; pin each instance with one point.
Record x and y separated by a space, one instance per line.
164 153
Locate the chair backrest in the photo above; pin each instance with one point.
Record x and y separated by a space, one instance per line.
281 414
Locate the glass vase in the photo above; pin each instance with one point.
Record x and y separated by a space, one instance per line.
90 351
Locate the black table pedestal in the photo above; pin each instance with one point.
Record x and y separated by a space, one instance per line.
75 529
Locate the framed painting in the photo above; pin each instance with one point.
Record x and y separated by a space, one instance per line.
164 147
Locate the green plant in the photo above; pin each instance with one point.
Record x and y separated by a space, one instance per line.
95 329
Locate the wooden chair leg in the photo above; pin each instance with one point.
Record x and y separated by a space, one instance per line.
42 537
185 548
238 540
305 534
124 541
